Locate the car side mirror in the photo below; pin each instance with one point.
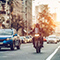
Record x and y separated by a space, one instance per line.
15 35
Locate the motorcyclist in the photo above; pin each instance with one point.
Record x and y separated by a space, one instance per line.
38 30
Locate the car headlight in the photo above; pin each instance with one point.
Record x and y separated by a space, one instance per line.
55 41
8 38
28 39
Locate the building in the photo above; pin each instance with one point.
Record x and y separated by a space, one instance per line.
57 28
23 8
27 14
40 8
5 13
54 16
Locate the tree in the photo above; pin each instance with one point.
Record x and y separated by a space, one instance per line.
46 22
16 20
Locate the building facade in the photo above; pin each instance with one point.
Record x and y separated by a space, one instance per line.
22 8
27 14
5 13
40 8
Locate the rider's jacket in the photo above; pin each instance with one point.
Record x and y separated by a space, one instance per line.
37 30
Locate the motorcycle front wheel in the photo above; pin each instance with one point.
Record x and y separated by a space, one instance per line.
38 50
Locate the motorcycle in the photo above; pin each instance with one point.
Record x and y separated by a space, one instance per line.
37 43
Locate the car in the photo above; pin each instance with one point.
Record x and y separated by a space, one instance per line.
44 39
9 39
58 38
23 39
52 39
29 38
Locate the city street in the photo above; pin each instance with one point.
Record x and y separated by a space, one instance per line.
26 21
27 52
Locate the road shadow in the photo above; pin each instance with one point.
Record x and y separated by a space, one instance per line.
38 53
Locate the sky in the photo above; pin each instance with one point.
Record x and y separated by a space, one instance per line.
53 4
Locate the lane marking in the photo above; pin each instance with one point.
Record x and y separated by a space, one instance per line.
49 58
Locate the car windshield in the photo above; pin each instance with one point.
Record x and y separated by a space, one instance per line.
21 37
6 32
52 37
27 37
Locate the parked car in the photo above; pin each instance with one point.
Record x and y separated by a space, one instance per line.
9 39
44 39
23 39
29 38
52 39
58 38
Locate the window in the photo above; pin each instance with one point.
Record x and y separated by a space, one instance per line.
26 9
25 2
26 15
21 0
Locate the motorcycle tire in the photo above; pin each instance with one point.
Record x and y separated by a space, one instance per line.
37 50
13 46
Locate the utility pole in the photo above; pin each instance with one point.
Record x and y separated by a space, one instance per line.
27 27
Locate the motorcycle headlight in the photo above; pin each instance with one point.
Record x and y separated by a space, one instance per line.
55 41
36 35
28 39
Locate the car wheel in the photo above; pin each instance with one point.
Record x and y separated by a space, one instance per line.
18 47
55 42
13 46
47 42
0 48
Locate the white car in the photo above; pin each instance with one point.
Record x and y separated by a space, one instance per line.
29 38
52 39
23 39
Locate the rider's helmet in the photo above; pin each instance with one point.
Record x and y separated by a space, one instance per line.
37 25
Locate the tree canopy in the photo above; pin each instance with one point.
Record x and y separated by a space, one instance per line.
46 22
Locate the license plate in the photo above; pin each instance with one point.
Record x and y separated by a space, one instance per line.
16 43
1 43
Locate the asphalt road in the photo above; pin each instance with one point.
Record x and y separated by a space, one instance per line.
27 52
57 55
